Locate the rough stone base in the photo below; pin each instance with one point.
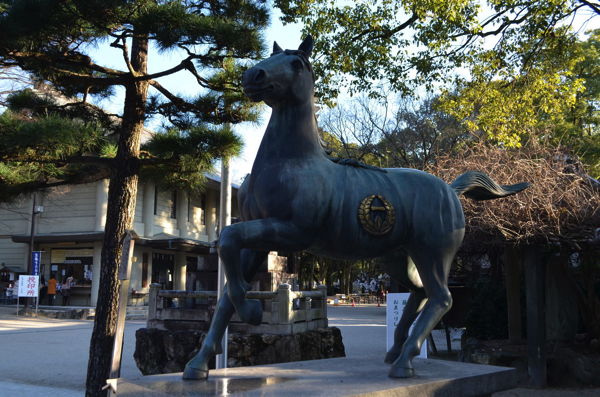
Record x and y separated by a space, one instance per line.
69 314
333 377
161 351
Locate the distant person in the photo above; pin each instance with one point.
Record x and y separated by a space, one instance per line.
43 293
65 290
51 289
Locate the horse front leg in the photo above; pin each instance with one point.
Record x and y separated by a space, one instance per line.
264 235
197 367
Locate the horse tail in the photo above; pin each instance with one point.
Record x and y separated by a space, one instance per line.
478 186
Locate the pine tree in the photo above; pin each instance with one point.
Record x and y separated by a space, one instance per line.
52 40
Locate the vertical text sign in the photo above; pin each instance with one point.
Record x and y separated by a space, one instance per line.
28 286
35 262
395 307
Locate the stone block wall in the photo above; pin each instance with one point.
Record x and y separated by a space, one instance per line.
163 351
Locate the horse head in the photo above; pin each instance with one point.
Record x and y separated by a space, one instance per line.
286 77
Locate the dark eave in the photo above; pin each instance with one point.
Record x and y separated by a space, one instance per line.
53 238
168 243
176 244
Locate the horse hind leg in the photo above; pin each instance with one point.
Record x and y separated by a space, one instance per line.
436 306
433 271
402 269
411 311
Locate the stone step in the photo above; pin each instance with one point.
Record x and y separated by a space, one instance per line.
136 315
85 313
137 308
128 316
70 313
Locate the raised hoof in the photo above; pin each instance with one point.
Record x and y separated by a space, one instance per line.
191 373
252 312
401 372
391 358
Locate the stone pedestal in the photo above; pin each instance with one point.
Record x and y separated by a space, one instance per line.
331 377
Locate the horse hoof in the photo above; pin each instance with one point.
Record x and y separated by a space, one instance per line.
252 313
191 373
391 358
401 372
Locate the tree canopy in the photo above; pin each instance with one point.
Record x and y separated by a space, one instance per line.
553 97
59 56
410 44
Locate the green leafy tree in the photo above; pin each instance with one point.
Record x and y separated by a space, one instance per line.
528 72
411 44
54 42
553 97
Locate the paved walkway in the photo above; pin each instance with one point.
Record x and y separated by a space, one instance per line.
33 360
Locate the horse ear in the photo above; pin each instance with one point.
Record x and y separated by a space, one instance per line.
276 48
307 46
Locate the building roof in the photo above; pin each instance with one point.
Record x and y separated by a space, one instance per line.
176 243
5 269
59 237
160 241
214 181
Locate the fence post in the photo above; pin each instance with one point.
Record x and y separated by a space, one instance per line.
285 303
153 300
323 289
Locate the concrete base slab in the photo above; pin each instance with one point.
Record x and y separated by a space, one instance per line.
331 377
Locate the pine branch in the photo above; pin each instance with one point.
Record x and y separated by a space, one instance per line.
79 159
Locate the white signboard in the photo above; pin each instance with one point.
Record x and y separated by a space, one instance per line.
395 307
29 286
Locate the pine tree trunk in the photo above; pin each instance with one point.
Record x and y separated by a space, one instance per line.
120 212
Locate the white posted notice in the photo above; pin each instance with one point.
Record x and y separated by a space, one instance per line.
29 286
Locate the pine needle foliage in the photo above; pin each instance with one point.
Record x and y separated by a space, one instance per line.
180 159
69 140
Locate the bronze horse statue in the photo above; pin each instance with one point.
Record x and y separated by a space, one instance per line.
297 199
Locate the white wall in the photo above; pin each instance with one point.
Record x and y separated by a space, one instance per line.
70 209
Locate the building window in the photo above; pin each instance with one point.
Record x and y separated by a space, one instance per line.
174 204
203 209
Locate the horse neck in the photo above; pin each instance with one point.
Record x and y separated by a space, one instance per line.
291 135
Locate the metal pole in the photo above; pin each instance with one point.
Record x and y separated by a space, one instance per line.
124 276
31 241
224 220
33 213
